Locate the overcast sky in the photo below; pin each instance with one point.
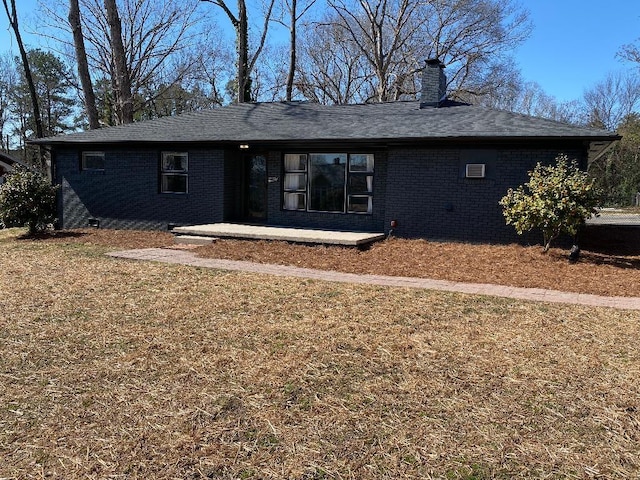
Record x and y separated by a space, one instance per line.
573 44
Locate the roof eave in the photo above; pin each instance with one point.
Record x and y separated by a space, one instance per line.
594 139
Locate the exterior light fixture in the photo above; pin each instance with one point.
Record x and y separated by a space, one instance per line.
393 224
244 146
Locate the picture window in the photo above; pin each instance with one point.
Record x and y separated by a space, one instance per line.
328 182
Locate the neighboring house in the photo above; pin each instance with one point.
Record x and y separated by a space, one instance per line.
436 167
7 164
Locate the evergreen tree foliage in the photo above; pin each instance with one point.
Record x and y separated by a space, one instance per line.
617 174
557 199
27 199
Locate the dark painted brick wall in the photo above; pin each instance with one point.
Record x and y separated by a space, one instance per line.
126 194
424 189
429 197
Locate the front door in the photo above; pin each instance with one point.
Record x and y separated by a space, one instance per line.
256 188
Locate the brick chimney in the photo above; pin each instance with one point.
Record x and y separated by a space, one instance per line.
434 84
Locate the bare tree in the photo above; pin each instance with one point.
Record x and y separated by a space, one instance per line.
160 41
83 66
122 76
331 70
473 38
294 12
383 32
245 62
8 82
630 52
12 15
612 100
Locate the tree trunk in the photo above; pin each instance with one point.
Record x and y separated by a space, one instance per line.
123 78
242 31
83 66
12 15
292 51
241 26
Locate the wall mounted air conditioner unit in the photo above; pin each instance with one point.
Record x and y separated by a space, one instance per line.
475 170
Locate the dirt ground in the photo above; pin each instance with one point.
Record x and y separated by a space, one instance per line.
609 263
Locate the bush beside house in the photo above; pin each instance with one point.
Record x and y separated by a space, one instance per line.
557 199
27 199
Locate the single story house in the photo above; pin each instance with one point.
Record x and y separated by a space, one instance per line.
7 164
434 167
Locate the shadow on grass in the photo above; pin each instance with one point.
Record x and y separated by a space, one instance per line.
50 235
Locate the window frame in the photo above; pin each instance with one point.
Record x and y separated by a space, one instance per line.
300 190
92 153
166 173
351 170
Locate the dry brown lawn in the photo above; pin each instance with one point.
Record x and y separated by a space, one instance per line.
120 369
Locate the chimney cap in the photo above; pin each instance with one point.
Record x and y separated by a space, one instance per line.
435 62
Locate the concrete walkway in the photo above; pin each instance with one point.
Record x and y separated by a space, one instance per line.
185 257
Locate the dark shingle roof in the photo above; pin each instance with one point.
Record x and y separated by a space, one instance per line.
300 121
7 159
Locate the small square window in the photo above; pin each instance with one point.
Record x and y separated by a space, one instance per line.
360 204
361 163
295 162
174 184
295 201
361 183
174 167
92 161
174 162
295 181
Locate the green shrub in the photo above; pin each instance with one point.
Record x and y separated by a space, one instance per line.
27 199
557 199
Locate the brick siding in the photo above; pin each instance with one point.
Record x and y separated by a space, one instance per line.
429 196
423 189
126 194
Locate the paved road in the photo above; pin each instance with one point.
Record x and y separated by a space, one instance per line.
622 219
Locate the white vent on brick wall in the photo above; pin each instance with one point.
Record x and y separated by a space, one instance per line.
475 170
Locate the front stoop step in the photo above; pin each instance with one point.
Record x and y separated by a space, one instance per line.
286 234
193 240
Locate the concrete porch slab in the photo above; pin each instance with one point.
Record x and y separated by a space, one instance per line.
193 240
298 235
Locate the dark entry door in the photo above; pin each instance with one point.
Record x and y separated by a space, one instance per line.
256 188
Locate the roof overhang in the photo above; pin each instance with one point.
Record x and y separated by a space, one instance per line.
597 148
8 163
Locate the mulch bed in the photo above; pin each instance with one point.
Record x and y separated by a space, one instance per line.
609 264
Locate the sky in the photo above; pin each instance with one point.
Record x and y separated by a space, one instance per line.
574 43
572 46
